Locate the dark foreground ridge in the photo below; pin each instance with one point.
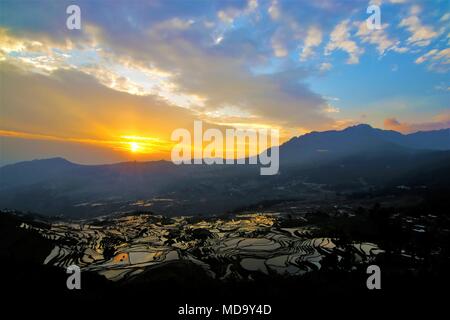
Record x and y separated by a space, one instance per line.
292 261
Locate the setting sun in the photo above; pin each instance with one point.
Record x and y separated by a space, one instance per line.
134 147
142 145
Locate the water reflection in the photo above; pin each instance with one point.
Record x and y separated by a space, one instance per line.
236 247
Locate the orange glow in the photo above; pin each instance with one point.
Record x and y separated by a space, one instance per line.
134 144
134 147
121 257
137 146
142 145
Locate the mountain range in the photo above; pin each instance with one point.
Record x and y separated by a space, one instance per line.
356 158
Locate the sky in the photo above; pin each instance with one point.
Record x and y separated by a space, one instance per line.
117 88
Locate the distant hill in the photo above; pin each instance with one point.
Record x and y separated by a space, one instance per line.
30 172
331 145
355 158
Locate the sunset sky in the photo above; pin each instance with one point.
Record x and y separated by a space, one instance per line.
137 70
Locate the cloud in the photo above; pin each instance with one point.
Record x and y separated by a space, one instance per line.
221 79
274 10
442 87
445 17
441 121
182 70
379 38
36 53
421 35
331 109
313 39
278 44
325 66
83 108
438 60
229 14
340 40
13 44
118 73
173 24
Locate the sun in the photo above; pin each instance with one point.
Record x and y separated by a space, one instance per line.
134 147
139 144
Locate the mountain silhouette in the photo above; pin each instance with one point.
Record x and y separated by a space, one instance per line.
356 157
330 145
